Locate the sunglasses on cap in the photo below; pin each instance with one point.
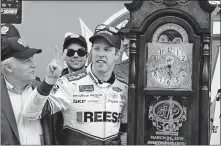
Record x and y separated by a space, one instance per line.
72 35
80 52
102 27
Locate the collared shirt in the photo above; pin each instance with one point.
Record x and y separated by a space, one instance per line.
30 131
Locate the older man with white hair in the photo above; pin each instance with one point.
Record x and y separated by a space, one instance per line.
17 83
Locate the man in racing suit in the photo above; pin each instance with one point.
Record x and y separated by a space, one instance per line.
93 101
76 59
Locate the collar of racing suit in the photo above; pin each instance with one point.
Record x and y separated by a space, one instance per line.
65 71
96 80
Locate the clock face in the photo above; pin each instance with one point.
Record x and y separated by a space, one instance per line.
169 62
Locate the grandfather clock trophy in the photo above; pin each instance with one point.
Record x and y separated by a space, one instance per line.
169 83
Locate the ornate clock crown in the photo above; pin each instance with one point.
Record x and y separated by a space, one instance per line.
170 3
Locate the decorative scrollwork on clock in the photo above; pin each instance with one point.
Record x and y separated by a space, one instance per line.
169 62
171 2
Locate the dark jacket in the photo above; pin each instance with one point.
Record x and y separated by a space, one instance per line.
58 121
122 69
9 130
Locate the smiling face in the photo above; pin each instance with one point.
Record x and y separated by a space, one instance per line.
104 55
76 62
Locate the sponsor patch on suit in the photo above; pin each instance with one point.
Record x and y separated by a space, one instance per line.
55 88
117 89
86 88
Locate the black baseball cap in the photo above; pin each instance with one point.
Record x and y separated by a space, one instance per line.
9 30
16 47
74 38
113 39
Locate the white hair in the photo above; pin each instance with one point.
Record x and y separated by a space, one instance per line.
6 62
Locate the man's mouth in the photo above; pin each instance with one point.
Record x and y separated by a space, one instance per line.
101 61
75 61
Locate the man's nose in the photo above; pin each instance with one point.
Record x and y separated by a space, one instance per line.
75 55
101 53
125 43
33 64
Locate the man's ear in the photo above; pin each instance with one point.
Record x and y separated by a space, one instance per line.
8 68
89 58
65 58
118 54
88 54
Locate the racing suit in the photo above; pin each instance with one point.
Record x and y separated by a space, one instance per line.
93 112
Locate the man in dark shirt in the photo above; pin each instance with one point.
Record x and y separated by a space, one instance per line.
122 67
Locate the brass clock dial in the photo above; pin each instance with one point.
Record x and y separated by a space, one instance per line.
169 62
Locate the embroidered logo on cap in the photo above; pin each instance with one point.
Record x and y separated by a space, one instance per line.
4 29
72 35
22 42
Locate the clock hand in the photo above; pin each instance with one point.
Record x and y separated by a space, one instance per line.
170 71
169 66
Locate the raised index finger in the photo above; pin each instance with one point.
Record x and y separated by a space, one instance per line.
64 55
56 53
